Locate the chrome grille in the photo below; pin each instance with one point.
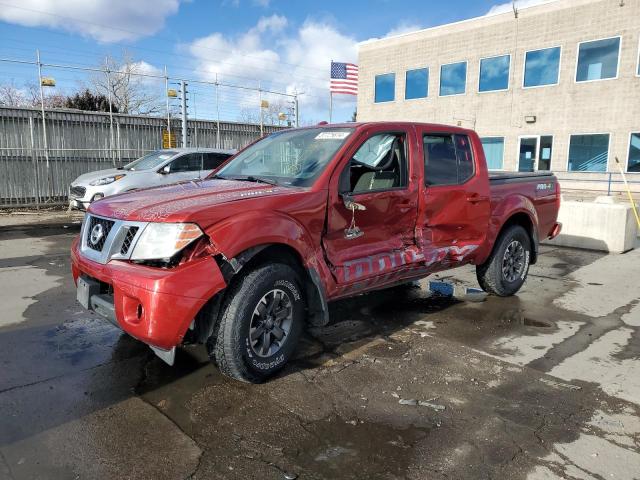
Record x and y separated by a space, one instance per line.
118 238
96 241
77 192
128 239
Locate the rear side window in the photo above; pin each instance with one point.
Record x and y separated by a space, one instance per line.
213 160
448 159
465 158
187 163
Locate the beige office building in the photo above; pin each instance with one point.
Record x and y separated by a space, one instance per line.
554 86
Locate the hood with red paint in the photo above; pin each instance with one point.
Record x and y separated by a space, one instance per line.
199 201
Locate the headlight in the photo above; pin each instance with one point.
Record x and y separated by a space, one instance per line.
164 240
106 180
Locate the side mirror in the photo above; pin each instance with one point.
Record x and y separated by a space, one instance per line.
165 170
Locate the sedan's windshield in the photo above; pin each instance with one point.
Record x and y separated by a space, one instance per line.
290 157
150 160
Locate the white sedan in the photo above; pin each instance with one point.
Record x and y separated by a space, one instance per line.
154 169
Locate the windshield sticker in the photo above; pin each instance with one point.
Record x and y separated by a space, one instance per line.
332 135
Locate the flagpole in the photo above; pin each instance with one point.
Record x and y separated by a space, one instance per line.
330 92
330 105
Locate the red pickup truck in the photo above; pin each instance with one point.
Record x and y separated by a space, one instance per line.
243 259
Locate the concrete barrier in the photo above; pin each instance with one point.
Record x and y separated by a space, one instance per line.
602 224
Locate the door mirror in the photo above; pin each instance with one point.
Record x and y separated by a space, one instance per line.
165 170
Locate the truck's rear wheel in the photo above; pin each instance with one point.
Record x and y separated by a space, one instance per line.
506 269
260 323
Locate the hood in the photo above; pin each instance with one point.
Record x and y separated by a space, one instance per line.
91 176
183 202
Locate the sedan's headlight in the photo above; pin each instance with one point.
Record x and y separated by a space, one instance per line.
164 240
106 180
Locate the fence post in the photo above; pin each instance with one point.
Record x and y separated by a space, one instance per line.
609 185
185 126
45 143
295 99
217 115
34 159
261 111
108 76
166 96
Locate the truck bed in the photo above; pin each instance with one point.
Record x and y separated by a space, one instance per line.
497 178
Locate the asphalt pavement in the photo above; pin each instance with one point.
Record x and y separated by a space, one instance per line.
400 384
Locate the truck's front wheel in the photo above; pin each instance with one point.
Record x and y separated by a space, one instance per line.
260 324
506 269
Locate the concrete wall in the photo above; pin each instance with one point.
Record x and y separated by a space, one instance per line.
607 106
599 225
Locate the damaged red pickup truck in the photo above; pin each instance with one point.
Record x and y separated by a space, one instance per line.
243 259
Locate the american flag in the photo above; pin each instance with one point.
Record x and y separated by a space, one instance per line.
344 78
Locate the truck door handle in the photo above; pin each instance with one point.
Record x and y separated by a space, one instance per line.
475 198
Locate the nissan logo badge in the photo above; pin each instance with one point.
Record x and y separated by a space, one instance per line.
96 234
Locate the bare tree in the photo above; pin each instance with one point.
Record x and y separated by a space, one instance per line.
270 114
29 96
51 99
12 96
129 90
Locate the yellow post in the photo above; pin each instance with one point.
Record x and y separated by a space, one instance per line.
633 204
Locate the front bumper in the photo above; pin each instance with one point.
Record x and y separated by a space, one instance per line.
153 305
81 196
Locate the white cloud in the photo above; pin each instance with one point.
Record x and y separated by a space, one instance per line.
104 20
145 68
280 56
508 6
402 28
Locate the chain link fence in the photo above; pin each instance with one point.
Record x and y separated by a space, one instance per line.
43 147
33 174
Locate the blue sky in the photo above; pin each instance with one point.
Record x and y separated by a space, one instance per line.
282 45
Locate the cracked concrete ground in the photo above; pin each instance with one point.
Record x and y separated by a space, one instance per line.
401 384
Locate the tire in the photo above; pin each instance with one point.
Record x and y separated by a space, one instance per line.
501 276
245 343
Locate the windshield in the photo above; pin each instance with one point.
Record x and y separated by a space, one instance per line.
289 158
150 160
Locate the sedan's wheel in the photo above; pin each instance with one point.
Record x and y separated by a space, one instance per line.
259 324
505 271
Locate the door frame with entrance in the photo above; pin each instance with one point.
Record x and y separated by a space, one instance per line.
537 155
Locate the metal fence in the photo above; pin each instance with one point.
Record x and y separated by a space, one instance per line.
604 183
36 169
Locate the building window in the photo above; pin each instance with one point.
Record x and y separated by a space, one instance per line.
416 83
385 88
494 73
598 60
494 152
453 79
633 162
541 67
588 153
